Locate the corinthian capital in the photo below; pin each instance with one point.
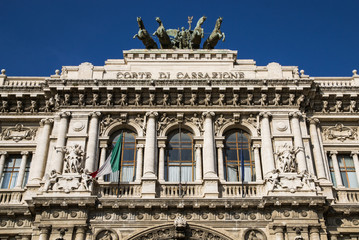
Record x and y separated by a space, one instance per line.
295 115
65 114
46 121
313 121
94 114
151 114
265 114
208 114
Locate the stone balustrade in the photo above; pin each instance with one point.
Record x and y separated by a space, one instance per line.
248 190
347 195
188 190
335 82
128 190
9 197
24 82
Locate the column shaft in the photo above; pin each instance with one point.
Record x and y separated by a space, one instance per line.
318 160
91 159
102 158
80 233
335 163
356 164
208 147
44 233
161 163
20 177
298 142
2 162
150 147
279 233
257 162
38 163
267 147
198 162
139 162
61 142
314 234
220 162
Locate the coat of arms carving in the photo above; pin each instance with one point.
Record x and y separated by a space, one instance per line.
18 133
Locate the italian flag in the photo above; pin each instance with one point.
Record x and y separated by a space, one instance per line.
113 162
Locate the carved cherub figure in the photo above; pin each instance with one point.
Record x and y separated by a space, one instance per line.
137 99
249 100
221 100
352 106
234 100
33 106
193 100
277 99
291 99
263 100
66 100
81 101
50 180
207 99
219 123
19 107
57 101
141 121
164 121
105 123
4 106
123 100
94 100
151 100
108 101
197 121
300 100
338 107
325 106
165 101
47 107
179 100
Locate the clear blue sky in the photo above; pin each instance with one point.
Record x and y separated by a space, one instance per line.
319 36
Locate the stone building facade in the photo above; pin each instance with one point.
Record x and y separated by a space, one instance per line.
214 147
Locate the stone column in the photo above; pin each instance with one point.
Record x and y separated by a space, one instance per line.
318 160
25 237
161 163
220 161
91 150
314 233
257 162
44 232
334 237
279 233
139 162
208 147
2 162
61 141
298 141
198 162
338 178
80 233
356 163
149 176
267 147
20 177
38 163
150 147
102 158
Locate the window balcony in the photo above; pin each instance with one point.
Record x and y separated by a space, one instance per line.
11 196
347 195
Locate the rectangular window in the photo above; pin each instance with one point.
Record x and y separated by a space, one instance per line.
11 171
347 171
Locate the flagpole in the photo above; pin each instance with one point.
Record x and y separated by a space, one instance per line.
119 170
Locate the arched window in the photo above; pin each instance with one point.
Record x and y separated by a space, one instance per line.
237 151
128 157
180 163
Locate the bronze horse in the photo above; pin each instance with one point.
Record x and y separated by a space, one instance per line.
197 34
162 35
144 36
215 36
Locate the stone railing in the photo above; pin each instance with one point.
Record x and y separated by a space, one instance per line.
347 195
8 197
334 82
24 82
128 190
185 190
248 190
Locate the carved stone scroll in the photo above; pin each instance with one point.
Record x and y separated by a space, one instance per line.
18 133
340 132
